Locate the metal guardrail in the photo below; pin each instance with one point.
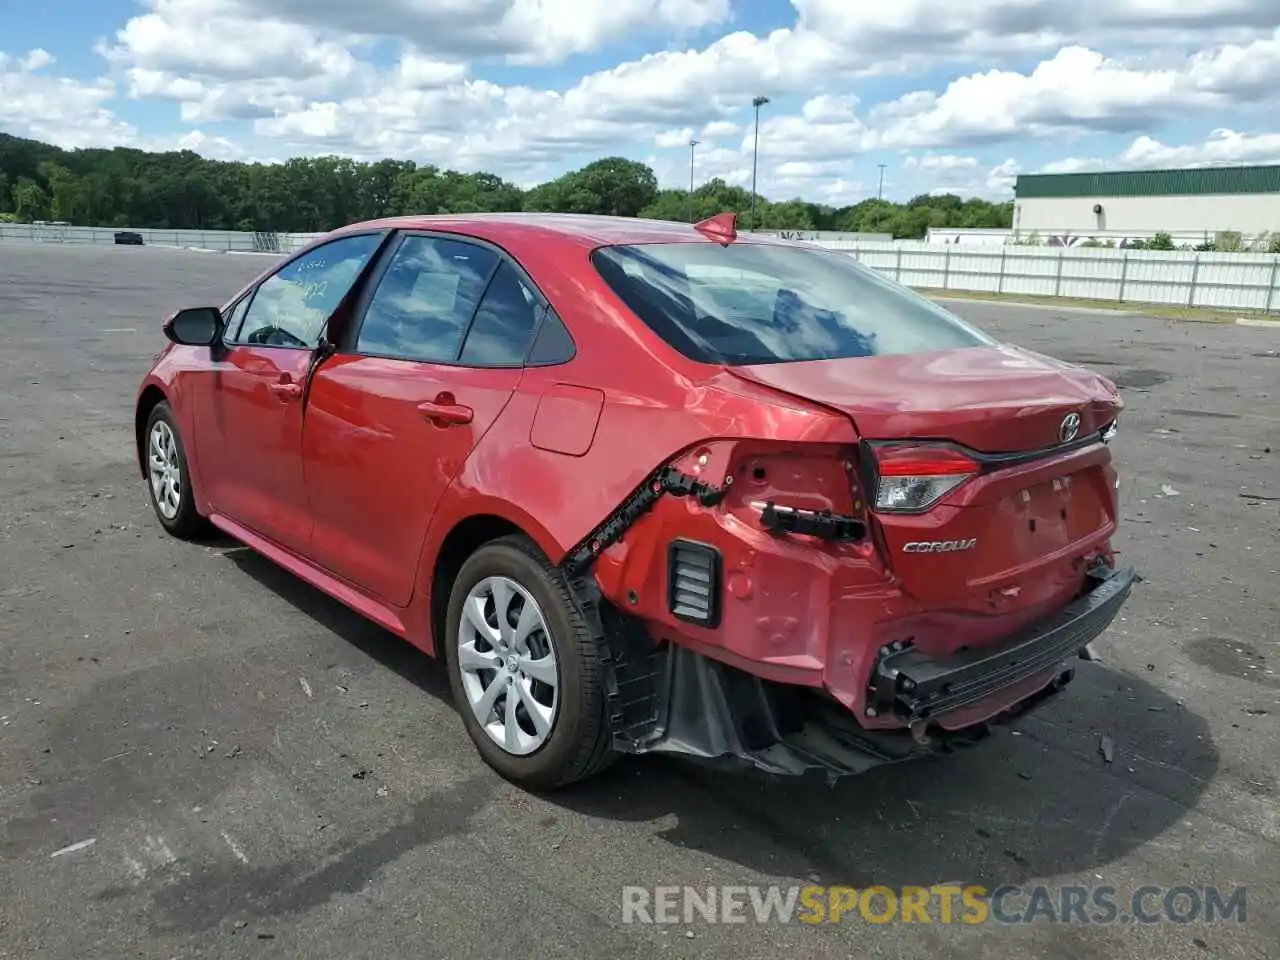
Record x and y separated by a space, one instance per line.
229 241
1223 281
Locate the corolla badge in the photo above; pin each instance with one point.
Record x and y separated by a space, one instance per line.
1069 429
940 546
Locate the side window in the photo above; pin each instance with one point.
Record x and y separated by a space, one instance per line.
291 306
504 324
231 319
553 344
425 300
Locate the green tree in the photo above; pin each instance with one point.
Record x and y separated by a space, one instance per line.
182 190
30 202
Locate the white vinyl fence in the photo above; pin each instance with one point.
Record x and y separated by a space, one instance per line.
1225 281
1228 281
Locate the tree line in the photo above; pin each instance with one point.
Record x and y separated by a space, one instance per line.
124 187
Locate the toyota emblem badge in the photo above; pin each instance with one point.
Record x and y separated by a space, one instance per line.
1070 428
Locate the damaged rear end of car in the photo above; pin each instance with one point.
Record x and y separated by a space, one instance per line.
919 561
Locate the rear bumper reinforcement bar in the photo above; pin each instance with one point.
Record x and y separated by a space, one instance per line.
912 685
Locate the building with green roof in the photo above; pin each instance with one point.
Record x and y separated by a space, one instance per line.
1186 203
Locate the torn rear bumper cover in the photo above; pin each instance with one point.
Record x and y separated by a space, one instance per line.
704 710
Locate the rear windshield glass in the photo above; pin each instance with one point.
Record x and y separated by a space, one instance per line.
765 303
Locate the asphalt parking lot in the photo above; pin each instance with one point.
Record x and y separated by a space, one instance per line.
242 768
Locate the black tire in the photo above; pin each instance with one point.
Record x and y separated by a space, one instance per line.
186 523
579 744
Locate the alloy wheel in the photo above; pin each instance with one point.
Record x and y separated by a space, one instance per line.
165 470
508 665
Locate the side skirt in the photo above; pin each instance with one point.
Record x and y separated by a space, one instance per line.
381 614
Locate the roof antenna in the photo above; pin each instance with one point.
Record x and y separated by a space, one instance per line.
722 227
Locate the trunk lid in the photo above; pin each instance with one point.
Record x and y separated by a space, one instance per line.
996 399
1015 535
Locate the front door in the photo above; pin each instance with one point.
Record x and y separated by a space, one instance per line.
393 417
251 412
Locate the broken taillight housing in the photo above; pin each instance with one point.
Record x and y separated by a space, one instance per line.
911 478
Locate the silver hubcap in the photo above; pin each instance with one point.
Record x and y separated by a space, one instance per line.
508 665
166 477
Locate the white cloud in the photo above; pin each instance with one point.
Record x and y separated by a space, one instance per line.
1222 147
36 59
909 30
942 163
1073 165
674 138
1005 80
216 38
720 128
1001 177
288 37
1079 89
39 105
215 148
440 111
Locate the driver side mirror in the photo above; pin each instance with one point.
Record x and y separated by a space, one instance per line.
195 326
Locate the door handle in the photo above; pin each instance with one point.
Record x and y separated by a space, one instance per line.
286 389
444 411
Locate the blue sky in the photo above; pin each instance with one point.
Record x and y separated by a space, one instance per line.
948 96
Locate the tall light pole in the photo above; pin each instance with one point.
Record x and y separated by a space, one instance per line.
756 102
692 146
880 190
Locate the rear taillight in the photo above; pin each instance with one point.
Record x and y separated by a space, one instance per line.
911 478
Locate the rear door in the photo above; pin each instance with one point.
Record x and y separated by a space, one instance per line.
249 406
391 419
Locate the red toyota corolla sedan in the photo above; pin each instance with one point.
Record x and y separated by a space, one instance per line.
653 487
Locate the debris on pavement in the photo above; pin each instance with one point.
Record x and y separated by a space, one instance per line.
1107 747
75 847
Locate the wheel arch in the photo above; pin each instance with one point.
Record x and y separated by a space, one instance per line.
150 397
464 538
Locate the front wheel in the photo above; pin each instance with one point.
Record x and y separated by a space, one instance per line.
524 668
169 477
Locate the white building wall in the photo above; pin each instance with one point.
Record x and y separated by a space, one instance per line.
1250 214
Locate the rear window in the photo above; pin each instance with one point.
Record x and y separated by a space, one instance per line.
762 303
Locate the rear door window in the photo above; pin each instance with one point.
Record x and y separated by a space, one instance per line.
426 299
751 303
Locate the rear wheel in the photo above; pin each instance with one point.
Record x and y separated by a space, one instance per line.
524 667
168 476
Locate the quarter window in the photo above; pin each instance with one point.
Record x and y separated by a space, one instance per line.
291 307
426 299
504 324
